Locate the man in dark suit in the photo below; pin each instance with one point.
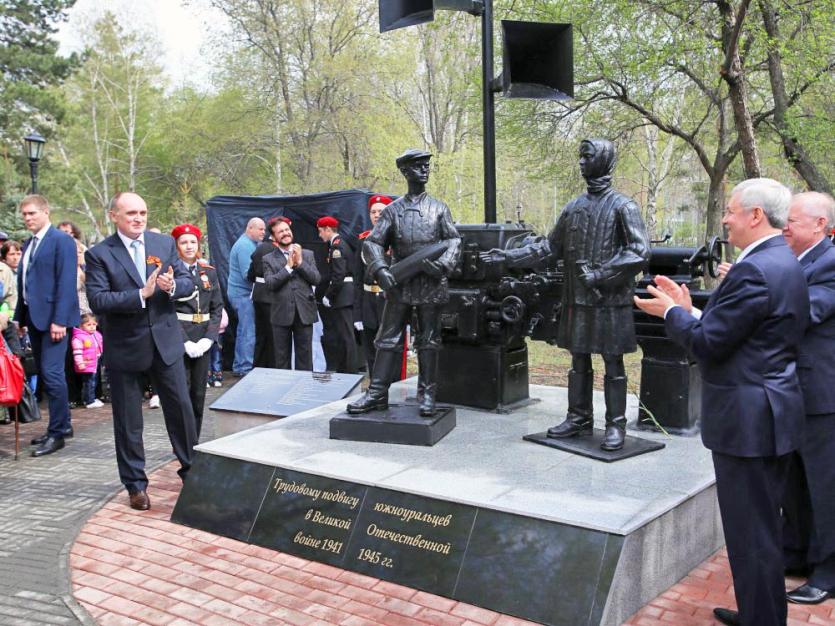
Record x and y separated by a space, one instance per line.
47 306
745 343
262 298
336 298
809 503
132 279
290 275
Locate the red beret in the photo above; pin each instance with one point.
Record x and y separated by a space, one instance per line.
186 229
378 200
275 220
327 222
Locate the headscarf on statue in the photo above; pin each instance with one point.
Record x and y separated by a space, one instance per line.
600 174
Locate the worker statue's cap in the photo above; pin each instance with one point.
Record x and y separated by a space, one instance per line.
378 200
327 222
412 154
186 229
275 220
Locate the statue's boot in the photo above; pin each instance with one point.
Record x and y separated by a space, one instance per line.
580 418
614 390
427 381
376 397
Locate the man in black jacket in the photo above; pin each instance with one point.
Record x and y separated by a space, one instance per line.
809 503
336 300
290 275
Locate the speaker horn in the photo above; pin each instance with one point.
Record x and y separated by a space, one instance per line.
396 14
538 60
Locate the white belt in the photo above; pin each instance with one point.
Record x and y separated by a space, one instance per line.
260 279
195 318
348 279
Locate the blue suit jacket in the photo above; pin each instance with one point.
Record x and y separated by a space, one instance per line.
746 347
815 363
51 292
131 332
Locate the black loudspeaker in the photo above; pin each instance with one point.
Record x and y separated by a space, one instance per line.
538 60
396 14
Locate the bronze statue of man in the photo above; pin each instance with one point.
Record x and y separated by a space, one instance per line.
408 227
602 243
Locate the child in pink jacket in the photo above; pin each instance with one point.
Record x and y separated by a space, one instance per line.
87 347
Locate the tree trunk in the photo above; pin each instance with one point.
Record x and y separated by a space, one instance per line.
792 148
733 74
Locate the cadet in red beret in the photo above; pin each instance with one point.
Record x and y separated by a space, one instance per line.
336 300
368 298
199 313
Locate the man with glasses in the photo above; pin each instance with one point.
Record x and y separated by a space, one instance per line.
746 345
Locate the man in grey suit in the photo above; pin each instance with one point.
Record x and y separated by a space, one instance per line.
290 274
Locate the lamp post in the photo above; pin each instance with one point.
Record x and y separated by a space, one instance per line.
34 149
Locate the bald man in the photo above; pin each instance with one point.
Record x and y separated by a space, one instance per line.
809 505
133 277
239 293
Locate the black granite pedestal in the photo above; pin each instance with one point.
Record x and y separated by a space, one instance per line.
589 446
400 423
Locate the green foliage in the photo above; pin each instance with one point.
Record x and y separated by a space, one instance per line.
309 97
29 66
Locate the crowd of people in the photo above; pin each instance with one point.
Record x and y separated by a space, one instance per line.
763 344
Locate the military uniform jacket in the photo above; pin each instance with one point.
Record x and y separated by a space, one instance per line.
369 298
336 286
291 292
255 275
406 226
204 304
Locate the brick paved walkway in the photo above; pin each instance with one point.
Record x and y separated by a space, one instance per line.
130 567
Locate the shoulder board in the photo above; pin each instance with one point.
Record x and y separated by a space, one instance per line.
204 264
336 240
364 234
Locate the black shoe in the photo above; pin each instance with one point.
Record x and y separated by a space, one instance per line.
68 434
571 427
726 616
807 594
369 402
615 434
52 444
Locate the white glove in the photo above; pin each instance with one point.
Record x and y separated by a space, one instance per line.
326 302
203 346
358 325
191 349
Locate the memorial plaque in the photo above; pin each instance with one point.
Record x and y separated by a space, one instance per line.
571 565
281 393
223 495
590 446
309 516
413 540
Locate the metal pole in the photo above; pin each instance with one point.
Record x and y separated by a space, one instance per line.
33 173
489 110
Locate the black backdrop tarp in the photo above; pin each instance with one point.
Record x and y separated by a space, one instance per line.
227 217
